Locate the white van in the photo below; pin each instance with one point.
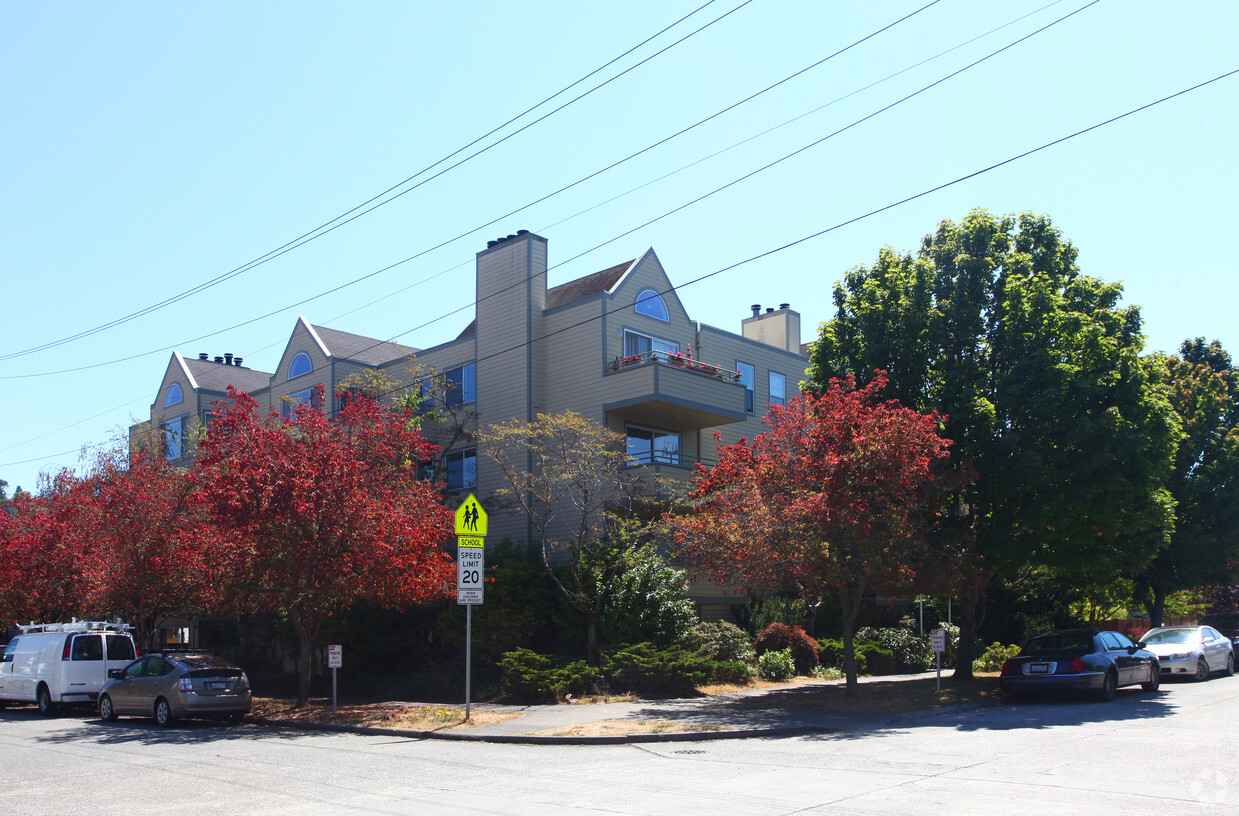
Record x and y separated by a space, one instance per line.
54 663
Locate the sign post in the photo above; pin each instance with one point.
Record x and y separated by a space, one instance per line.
470 569
335 659
937 642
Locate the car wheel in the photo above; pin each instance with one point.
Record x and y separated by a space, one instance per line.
44 698
1155 678
1109 687
1202 670
1230 664
163 713
106 712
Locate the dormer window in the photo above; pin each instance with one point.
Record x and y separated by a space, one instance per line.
650 304
173 396
300 365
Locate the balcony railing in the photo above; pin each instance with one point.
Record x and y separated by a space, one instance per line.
678 361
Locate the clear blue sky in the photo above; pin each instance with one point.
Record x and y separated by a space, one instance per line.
152 147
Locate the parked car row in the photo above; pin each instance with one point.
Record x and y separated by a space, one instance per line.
96 663
1101 661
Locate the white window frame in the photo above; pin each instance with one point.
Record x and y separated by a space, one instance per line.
174 396
656 344
654 457
293 373
749 382
651 304
460 391
781 397
469 472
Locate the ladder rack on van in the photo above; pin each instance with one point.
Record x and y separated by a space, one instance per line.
75 626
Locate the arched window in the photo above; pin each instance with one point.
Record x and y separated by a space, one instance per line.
651 305
173 396
300 365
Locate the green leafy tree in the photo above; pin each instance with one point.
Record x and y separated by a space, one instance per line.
1204 391
1035 369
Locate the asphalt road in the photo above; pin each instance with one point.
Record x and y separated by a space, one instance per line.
1170 752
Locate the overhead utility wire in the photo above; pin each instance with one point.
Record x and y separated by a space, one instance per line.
530 204
828 230
337 222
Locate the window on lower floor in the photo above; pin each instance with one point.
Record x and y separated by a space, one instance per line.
461 384
173 438
747 375
290 402
648 446
462 469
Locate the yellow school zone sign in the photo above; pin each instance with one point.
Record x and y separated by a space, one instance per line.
471 518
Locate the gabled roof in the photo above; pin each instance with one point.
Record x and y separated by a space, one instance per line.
366 350
586 286
212 376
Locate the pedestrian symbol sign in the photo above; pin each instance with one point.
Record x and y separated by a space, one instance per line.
470 518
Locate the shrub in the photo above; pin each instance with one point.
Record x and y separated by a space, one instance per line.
873 658
527 676
643 668
736 672
830 652
911 653
646 601
722 641
776 664
993 657
778 636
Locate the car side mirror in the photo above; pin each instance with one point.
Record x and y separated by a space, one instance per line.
116 674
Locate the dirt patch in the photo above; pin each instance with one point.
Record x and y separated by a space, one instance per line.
379 715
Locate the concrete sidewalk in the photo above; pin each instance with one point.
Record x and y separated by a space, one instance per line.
721 716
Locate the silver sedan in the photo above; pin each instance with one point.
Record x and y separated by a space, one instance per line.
170 686
1190 651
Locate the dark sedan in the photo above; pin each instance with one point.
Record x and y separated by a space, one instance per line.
1083 660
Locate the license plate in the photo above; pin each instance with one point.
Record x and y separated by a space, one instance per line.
217 686
1038 668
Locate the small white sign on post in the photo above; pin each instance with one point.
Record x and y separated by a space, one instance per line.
335 659
937 642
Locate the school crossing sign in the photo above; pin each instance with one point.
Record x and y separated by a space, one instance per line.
470 552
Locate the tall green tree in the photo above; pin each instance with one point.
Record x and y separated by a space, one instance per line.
1036 371
1204 390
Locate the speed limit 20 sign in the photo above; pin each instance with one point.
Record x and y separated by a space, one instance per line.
470 567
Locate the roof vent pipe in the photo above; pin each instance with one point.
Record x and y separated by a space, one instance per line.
769 310
236 361
203 356
785 305
756 307
227 358
219 359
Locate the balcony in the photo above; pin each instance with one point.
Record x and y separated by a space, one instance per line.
675 392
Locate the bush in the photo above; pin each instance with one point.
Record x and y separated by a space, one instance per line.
643 668
736 672
911 653
777 636
722 641
992 658
871 657
527 676
646 601
776 665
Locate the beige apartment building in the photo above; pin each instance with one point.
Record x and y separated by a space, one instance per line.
616 346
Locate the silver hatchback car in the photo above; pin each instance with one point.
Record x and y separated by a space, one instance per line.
167 687
1190 651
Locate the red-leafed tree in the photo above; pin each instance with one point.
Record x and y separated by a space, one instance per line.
143 542
832 497
316 512
41 563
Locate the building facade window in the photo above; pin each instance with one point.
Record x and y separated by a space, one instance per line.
636 343
462 469
461 385
651 304
290 403
648 446
173 438
747 376
174 395
778 389
300 365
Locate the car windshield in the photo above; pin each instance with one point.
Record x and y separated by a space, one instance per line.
1170 636
1060 642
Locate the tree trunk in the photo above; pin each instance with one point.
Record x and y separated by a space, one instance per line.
849 600
971 616
305 642
1157 604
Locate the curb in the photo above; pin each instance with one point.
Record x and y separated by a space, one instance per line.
529 739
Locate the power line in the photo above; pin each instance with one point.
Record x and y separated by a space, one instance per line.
840 225
353 214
